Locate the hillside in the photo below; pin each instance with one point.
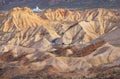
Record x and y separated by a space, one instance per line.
59 43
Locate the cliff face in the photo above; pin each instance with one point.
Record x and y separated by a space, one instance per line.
58 40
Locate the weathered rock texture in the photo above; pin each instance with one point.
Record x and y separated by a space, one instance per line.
58 40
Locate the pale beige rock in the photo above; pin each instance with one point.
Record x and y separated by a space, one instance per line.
27 35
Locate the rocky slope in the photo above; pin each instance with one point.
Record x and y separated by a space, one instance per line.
58 42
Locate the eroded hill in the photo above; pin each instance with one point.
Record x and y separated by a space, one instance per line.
58 42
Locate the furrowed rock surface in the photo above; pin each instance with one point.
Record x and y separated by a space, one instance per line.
58 41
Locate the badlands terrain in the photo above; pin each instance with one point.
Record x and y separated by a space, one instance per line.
60 44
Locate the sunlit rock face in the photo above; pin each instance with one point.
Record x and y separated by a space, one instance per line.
59 40
101 21
21 26
21 18
94 23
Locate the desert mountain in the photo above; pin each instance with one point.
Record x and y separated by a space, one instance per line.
8 4
67 25
21 18
84 25
94 22
58 41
